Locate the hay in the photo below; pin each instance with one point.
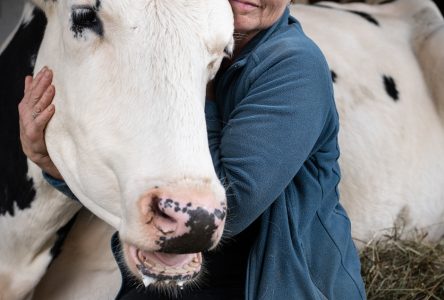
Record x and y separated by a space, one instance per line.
395 268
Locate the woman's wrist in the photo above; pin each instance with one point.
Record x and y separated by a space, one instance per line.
50 169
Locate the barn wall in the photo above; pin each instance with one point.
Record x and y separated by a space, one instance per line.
10 12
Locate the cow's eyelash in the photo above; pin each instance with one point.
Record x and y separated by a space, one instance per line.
85 17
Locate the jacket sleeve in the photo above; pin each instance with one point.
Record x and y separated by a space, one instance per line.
59 185
269 134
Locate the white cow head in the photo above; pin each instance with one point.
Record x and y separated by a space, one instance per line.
129 133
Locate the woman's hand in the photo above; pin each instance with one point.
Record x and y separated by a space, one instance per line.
35 111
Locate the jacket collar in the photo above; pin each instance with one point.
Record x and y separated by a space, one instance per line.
261 37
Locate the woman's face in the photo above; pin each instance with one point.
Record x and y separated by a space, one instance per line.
252 16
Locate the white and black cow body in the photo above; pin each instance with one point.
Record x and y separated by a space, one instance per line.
388 73
390 98
34 218
387 69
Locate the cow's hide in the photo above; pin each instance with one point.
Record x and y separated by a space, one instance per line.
375 2
387 72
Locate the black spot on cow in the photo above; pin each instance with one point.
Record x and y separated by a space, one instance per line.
364 15
16 189
333 76
168 203
361 14
220 214
386 2
62 233
323 6
202 227
390 87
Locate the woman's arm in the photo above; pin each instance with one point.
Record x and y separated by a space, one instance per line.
269 135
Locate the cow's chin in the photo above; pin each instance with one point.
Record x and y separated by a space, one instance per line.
161 269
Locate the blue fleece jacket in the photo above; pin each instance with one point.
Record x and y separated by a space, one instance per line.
273 135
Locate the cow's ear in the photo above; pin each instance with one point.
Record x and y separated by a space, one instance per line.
45 5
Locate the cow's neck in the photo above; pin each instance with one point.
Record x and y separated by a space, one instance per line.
30 238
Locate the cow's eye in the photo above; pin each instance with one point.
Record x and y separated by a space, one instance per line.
85 17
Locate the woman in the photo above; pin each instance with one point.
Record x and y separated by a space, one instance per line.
272 128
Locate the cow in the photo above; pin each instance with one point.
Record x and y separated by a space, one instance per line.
130 142
387 68
387 73
437 2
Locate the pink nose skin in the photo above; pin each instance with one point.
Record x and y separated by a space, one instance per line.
187 221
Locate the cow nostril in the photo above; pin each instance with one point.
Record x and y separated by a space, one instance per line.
165 216
159 210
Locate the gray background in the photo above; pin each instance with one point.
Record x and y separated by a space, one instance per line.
10 13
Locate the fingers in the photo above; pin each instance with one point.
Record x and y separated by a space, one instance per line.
40 84
46 98
39 94
28 82
42 119
32 135
32 126
43 103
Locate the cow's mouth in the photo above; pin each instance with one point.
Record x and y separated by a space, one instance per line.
165 268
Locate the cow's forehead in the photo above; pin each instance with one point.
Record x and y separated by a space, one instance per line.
136 4
144 10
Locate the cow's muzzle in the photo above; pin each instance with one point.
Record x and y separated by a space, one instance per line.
183 223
